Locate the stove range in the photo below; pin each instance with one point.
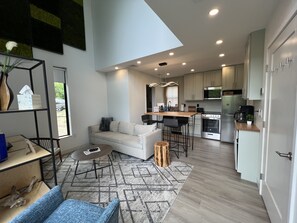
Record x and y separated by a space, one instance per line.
211 125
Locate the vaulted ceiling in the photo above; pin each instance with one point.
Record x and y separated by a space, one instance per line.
191 23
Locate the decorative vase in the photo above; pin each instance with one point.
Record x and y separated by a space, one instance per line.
6 94
249 122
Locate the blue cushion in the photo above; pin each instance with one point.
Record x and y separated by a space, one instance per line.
42 208
75 211
53 208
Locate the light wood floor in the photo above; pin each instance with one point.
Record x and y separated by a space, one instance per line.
214 191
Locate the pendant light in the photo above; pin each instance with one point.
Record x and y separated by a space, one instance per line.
163 83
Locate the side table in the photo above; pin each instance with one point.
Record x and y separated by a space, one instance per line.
162 156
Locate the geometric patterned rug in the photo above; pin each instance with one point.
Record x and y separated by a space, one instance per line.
146 191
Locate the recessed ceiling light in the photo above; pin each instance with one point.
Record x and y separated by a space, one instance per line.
139 62
184 63
213 12
192 70
218 42
223 65
168 74
116 68
171 54
156 69
222 55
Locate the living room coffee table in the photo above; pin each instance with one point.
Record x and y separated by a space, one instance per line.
79 155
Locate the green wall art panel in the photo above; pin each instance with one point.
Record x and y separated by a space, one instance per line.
46 25
15 26
73 27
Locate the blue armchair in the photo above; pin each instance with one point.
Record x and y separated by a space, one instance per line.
53 208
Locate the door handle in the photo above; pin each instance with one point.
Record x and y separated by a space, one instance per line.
286 155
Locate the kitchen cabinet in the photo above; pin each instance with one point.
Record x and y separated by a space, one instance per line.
197 129
193 87
212 78
253 65
232 77
247 150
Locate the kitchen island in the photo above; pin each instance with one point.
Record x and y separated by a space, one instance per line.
177 115
173 114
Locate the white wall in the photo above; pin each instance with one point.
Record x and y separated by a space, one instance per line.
137 87
118 95
87 90
127 30
127 94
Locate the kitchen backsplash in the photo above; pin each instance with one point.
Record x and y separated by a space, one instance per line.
214 105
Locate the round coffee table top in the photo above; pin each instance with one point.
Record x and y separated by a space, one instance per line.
80 156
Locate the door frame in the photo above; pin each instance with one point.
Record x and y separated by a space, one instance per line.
292 203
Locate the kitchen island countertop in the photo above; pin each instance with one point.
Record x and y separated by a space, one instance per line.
173 114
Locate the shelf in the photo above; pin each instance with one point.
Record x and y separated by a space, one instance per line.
24 110
17 155
39 189
26 63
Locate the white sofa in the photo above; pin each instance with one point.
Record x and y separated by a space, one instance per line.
128 138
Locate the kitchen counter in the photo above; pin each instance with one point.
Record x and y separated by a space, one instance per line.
247 151
244 127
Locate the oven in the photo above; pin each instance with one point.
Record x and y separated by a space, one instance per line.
211 126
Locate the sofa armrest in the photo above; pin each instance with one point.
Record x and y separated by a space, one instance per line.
93 129
42 208
149 140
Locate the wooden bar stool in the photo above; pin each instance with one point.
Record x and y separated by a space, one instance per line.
162 157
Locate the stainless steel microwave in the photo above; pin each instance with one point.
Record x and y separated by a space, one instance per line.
211 93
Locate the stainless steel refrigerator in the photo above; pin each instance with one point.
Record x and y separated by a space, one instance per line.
230 104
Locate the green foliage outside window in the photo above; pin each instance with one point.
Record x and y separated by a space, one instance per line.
59 89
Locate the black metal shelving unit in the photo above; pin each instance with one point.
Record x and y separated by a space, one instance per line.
29 64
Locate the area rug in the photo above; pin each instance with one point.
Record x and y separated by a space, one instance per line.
146 191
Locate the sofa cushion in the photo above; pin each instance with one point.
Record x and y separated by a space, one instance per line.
114 126
117 137
111 136
143 129
126 128
105 123
132 141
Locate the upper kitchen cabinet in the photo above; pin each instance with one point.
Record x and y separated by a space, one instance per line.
253 65
193 87
212 78
232 77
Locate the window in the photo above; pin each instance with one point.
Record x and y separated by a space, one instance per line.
62 110
172 96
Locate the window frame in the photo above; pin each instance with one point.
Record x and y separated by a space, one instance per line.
66 93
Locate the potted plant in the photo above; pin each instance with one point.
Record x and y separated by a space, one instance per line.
249 119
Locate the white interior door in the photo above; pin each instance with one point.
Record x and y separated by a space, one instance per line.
281 128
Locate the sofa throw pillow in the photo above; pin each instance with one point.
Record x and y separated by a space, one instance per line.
114 126
105 123
126 128
143 129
